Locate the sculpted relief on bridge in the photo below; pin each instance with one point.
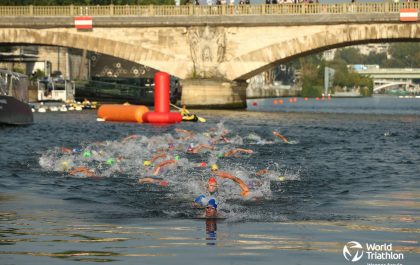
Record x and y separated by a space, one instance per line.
208 47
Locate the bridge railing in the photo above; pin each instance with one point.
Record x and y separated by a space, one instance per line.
215 10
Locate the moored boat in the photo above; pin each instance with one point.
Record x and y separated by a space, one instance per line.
14 109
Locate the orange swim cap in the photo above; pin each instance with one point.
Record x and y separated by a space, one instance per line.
212 181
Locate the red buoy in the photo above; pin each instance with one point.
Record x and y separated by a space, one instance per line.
161 113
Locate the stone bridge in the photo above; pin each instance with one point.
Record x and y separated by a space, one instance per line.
213 49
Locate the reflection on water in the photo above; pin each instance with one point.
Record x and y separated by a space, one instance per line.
347 177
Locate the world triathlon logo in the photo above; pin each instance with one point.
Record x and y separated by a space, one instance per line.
353 251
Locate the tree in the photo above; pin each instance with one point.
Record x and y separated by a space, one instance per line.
405 54
349 55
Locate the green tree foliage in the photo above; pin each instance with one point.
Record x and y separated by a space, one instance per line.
350 55
405 54
312 72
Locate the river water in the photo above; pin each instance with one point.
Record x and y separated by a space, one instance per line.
349 172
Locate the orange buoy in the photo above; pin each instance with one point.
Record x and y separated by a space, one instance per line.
116 112
281 102
275 102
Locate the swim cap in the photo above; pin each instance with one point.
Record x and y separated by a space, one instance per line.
199 199
87 154
220 155
110 161
212 203
212 181
147 163
214 167
177 157
203 164
164 183
189 149
282 178
65 165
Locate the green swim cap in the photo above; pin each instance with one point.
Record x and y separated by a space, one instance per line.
110 161
177 157
87 154
220 155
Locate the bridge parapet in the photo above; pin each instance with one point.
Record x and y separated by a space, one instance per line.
194 10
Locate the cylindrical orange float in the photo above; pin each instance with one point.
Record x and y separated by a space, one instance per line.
116 112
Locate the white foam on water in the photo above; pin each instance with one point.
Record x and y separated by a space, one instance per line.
187 178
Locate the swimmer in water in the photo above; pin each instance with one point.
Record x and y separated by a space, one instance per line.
284 139
234 152
163 164
188 134
157 156
262 172
130 137
221 174
148 180
211 190
211 209
83 171
196 149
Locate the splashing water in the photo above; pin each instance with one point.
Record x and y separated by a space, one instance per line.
136 157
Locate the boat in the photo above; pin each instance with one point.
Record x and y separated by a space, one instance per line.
14 107
55 89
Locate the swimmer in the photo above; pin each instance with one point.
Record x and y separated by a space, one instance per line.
261 172
156 181
130 137
281 137
188 134
65 150
160 155
220 138
211 190
225 175
237 150
163 164
84 171
211 209
197 149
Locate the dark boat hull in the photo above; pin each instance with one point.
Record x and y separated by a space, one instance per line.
15 112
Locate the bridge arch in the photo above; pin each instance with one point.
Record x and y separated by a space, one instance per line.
260 59
136 53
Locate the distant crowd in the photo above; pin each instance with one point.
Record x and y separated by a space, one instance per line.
246 2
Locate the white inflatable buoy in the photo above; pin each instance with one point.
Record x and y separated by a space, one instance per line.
42 110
